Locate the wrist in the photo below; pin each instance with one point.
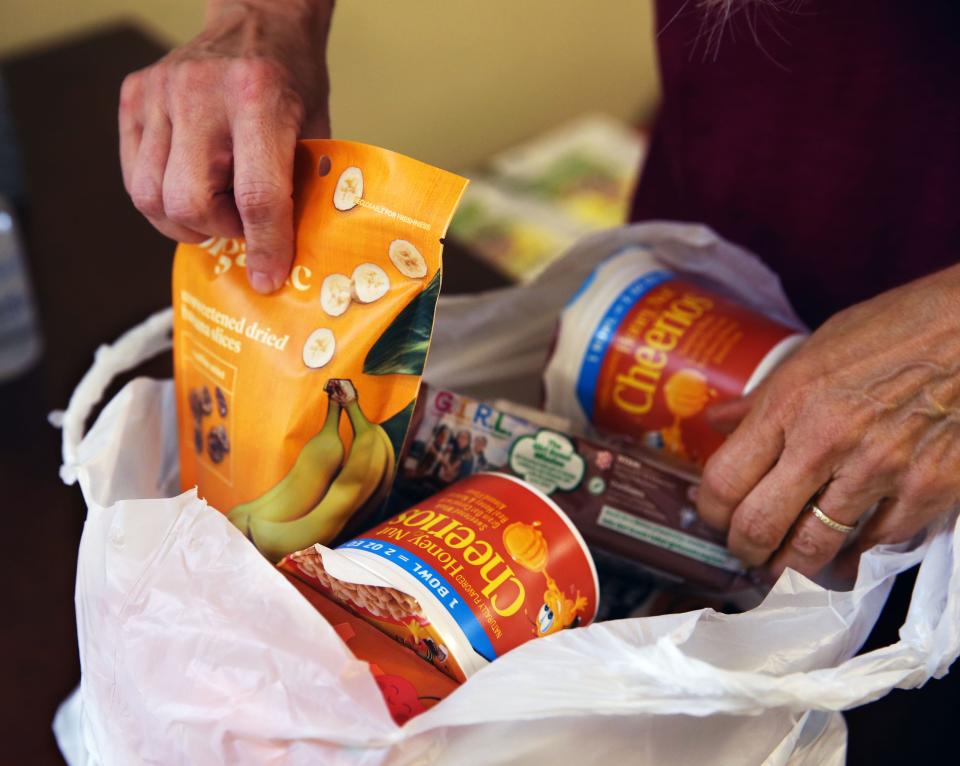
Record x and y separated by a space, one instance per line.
311 17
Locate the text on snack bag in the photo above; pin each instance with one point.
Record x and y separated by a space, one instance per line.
233 252
212 323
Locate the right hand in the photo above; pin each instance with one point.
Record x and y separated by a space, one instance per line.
207 134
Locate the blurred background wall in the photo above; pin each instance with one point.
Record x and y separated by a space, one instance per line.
449 83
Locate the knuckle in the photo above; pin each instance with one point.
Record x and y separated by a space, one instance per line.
849 485
258 202
188 73
256 79
794 384
842 426
263 85
756 527
896 533
719 483
783 400
900 526
130 91
818 440
293 105
185 206
879 464
920 495
192 87
921 487
157 77
294 112
840 438
147 198
811 545
809 457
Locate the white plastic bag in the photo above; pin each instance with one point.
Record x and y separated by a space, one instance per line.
195 650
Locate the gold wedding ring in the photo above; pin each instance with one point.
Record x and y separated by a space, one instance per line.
821 516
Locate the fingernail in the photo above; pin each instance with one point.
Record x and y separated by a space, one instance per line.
262 282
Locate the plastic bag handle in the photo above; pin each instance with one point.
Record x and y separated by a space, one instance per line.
138 344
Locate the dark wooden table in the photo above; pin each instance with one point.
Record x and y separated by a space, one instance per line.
99 268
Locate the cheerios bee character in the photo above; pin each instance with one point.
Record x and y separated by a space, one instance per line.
558 611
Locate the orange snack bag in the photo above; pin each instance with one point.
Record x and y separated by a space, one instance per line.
293 406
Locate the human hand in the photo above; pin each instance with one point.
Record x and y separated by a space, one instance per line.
207 134
868 409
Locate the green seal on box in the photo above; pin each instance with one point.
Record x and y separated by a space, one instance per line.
547 460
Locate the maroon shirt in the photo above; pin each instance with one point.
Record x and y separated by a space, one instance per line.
828 142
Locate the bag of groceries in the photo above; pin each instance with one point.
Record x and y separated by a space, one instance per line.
250 590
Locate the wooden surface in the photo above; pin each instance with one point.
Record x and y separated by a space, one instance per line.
99 268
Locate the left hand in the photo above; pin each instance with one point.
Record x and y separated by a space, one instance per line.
868 409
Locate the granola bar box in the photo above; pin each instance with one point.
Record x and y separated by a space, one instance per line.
630 506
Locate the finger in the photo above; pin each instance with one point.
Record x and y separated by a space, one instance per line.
198 176
176 232
263 188
147 178
895 521
734 469
764 517
130 123
812 544
725 417
848 561
317 125
927 487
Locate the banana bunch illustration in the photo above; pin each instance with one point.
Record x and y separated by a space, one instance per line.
361 485
304 485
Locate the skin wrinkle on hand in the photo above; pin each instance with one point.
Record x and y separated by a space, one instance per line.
872 405
895 376
919 402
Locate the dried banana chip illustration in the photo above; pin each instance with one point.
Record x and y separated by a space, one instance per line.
370 283
319 348
335 294
349 189
407 259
